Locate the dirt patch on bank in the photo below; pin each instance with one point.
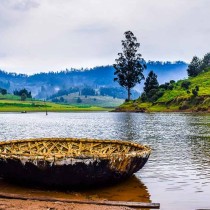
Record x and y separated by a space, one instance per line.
10 204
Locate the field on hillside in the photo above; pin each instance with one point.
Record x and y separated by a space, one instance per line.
177 99
9 103
202 81
101 101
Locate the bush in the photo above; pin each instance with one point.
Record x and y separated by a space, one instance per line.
3 91
22 93
172 81
184 107
144 97
186 85
196 88
167 85
201 109
194 92
170 87
154 94
23 97
87 91
79 100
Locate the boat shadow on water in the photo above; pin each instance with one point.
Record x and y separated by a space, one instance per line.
131 189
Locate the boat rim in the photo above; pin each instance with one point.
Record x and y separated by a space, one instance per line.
144 150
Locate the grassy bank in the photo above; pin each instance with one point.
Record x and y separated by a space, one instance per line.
10 103
178 99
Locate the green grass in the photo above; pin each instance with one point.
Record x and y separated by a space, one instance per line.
9 97
9 103
178 99
202 81
100 101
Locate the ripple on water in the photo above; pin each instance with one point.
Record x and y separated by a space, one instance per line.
178 172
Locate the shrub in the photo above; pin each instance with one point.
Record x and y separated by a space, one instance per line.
186 85
3 91
172 81
202 109
144 97
79 100
195 91
184 107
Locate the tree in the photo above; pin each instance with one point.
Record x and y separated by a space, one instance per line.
26 92
79 100
87 91
195 91
129 66
3 91
151 82
194 67
205 63
23 97
151 88
62 99
186 85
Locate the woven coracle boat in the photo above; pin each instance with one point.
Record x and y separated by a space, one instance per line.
70 161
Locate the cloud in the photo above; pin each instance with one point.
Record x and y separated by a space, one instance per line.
21 5
45 35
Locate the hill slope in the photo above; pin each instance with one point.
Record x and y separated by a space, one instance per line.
43 85
179 98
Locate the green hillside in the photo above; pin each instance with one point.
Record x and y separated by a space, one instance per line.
82 100
177 99
11 103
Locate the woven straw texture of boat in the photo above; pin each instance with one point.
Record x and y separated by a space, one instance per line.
70 161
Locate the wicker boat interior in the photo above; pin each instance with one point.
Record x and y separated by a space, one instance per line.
44 148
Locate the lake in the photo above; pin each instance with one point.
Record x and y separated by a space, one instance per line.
177 174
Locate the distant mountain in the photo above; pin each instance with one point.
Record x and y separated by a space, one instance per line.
43 85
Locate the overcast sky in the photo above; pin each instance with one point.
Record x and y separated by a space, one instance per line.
50 35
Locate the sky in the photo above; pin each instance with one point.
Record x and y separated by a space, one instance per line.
52 35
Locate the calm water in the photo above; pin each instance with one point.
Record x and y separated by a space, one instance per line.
178 172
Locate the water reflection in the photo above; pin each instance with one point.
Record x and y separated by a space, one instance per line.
200 155
131 189
178 171
127 126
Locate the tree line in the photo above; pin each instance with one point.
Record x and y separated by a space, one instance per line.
198 65
3 91
130 65
23 93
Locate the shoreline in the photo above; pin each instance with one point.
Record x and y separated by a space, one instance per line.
106 110
162 111
13 204
51 111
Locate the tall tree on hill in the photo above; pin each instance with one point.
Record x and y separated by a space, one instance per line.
151 82
151 88
129 66
194 67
